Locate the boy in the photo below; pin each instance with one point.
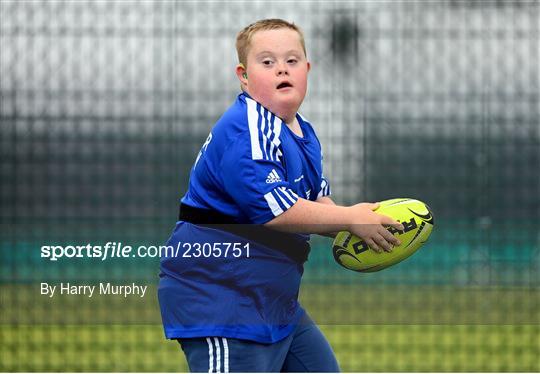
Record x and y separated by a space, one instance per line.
231 297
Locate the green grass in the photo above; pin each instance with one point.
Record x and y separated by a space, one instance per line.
436 348
96 348
372 348
371 328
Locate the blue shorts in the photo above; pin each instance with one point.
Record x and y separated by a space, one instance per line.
304 350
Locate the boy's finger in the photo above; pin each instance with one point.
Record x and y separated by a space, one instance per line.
392 222
373 246
374 206
383 243
389 237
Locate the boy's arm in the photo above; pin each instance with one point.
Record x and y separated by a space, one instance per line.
325 200
329 201
325 218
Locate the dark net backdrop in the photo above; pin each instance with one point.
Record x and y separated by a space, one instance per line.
105 105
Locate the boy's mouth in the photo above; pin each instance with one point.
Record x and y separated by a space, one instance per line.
284 85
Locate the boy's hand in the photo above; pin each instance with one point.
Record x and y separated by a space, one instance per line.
370 226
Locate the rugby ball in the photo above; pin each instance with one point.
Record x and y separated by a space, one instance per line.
353 253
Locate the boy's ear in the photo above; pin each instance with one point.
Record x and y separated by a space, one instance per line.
308 66
241 73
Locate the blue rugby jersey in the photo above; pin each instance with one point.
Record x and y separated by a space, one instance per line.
251 167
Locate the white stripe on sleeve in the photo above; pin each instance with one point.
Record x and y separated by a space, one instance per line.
273 204
264 136
253 116
269 136
290 194
287 196
325 188
277 133
282 198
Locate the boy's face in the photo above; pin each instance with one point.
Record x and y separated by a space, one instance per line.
277 71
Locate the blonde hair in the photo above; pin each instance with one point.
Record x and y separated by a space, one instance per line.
243 39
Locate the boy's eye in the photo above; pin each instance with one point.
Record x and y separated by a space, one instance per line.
292 61
267 62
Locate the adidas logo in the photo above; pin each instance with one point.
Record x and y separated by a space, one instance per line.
273 177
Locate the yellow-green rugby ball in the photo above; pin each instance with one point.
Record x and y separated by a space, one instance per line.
353 253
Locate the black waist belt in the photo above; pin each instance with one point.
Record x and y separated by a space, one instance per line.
291 245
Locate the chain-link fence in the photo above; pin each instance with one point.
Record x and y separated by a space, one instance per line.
104 106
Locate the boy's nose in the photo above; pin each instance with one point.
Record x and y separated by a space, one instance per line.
282 69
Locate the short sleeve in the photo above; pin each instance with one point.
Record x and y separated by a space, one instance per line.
258 185
325 185
325 188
